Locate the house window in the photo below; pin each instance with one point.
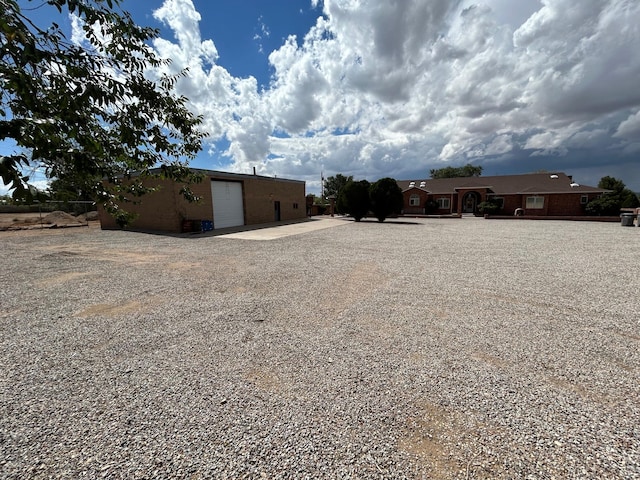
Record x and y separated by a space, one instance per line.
444 203
295 206
535 202
414 200
584 199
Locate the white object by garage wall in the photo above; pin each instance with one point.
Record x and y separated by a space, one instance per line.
228 207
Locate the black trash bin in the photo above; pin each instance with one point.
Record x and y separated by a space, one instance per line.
627 219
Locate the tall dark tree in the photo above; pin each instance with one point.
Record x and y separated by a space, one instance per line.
453 172
386 198
87 111
354 199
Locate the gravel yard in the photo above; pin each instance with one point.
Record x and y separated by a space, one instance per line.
426 348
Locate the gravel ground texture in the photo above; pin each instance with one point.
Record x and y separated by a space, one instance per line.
416 348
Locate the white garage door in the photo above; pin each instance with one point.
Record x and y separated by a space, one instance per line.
228 209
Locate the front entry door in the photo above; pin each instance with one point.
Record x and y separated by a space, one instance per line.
276 208
469 203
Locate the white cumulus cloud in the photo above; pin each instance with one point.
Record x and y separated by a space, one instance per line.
395 88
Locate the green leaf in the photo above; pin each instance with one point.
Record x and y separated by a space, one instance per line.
79 122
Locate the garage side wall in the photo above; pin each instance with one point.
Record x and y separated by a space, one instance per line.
165 209
261 193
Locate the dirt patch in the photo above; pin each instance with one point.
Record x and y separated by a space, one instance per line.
356 284
490 359
59 279
430 438
33 221
265 379
445 441
110 310
60 218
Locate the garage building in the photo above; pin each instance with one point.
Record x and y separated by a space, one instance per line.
227 200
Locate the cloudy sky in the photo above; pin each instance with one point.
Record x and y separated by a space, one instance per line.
374 88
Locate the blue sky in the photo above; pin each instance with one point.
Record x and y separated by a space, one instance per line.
244 31
372 89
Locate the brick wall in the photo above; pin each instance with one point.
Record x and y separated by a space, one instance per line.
261 193
568 204
562 204
511 202
408 208
166 209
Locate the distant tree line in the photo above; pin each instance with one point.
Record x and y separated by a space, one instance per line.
455 172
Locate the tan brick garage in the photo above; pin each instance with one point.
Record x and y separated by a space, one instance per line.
227 199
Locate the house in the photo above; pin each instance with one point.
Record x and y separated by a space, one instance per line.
537 194
227 200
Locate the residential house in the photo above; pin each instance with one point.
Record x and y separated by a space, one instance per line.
537 194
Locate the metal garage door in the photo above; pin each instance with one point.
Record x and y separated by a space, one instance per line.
228 209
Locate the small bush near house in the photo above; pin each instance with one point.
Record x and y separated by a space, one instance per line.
431 206
488 208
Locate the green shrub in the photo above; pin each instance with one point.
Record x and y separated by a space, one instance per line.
354 199
386 198
488 207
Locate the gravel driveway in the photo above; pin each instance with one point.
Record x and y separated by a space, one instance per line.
464 348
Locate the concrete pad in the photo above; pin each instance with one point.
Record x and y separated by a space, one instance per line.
280 231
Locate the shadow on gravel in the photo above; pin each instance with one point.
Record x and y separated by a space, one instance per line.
225 231
388 221
262 226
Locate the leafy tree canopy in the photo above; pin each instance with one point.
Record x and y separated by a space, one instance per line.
611 183
67 189
333 185
84 112
386 198
610 203
453 172
354 199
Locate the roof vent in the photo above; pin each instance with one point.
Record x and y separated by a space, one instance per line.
423 184
554 176
574 184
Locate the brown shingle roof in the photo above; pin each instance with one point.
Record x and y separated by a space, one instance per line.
550 182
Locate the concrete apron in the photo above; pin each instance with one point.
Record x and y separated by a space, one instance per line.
280 231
